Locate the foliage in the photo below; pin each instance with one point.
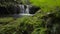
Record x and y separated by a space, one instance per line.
46 5
9 2
24 25
51 12
12 2
45 21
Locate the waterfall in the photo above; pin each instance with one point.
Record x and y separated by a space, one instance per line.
27 9
24 10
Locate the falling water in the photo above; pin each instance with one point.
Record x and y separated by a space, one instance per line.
24 10
27 9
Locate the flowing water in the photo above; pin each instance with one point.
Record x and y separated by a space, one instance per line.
24 10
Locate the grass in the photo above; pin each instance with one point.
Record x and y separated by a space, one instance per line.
6 19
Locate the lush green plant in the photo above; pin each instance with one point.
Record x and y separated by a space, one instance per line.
46 5
45 21
51 12
9 2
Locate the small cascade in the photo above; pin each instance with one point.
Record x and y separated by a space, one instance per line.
24 10
27 9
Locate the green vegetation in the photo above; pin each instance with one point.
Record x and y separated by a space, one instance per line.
10 2
45 21
51 12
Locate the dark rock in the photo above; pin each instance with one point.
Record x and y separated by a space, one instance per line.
33 9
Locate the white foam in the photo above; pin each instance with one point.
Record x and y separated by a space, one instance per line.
26 14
